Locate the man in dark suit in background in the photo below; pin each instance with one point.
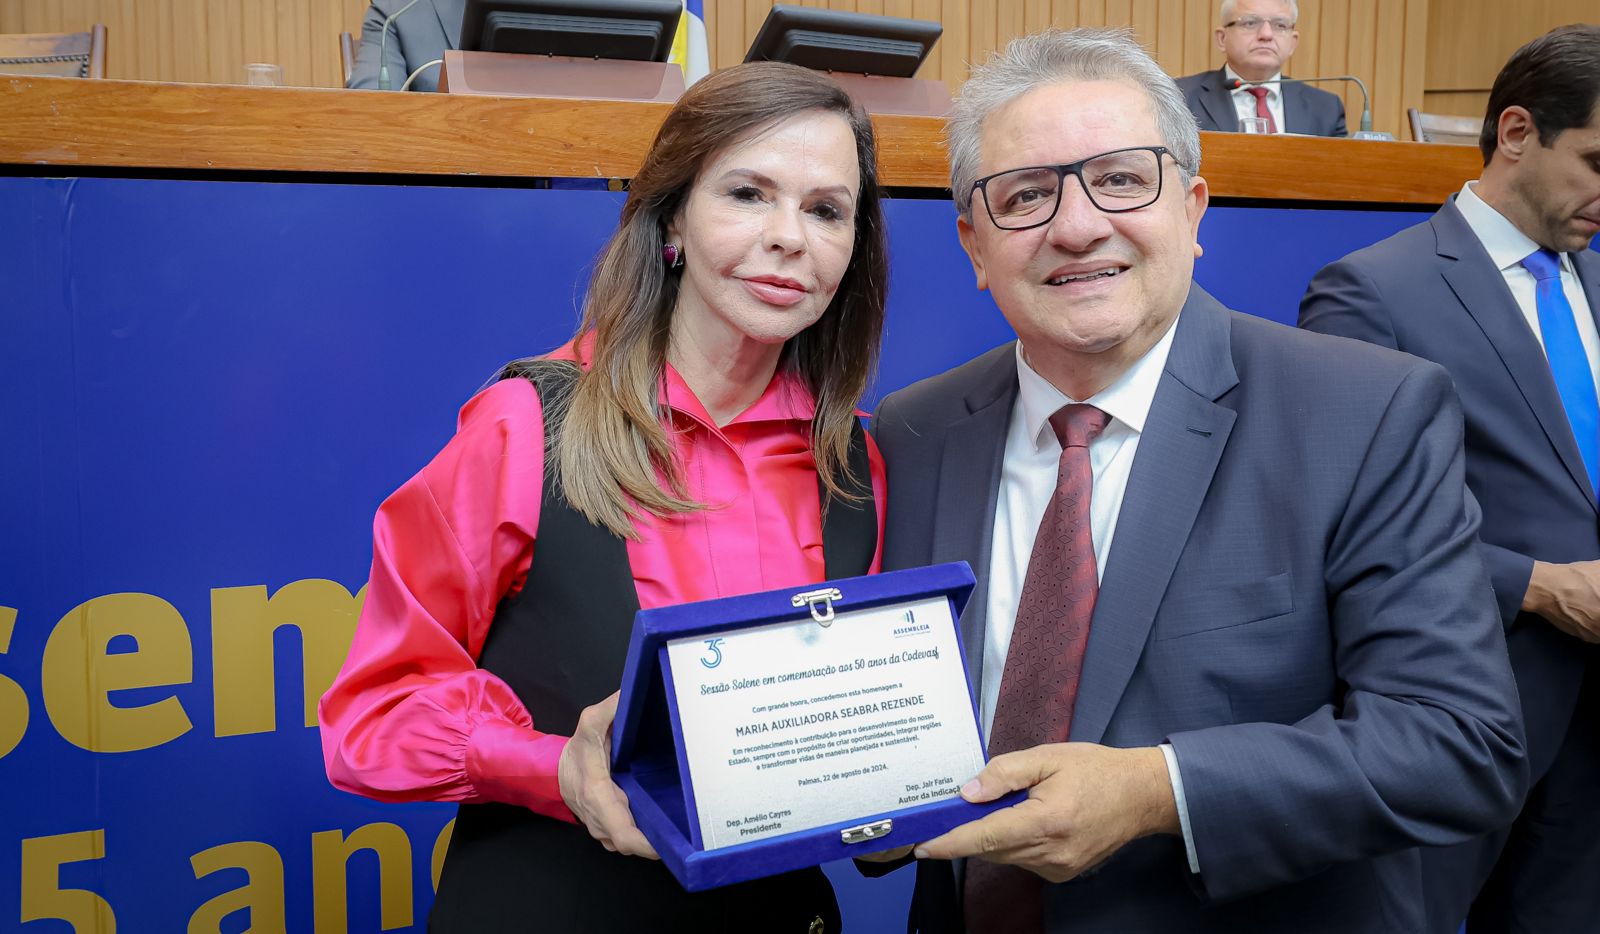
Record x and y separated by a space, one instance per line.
1256 38
417 36
1233 563
1501 289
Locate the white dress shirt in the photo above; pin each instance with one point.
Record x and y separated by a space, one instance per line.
1508 247
1245 103
1028 480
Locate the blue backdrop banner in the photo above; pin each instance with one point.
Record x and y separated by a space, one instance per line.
206 388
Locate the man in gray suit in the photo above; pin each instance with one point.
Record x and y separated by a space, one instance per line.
1256 38
1233 632
416 36
1501 289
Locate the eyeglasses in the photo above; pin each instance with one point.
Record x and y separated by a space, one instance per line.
1116 182
1253 23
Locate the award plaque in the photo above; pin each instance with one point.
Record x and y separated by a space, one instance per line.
774 731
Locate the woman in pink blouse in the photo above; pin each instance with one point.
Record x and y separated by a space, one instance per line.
698 438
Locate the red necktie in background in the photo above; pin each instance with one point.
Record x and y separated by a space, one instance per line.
1262 110
1039 686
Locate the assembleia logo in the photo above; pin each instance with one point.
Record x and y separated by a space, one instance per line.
909 626
713 656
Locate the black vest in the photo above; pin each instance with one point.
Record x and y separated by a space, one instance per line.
560 643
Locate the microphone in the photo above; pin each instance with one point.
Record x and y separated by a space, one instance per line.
384 84
1366 99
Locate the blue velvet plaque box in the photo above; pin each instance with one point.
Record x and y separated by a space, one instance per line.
650 764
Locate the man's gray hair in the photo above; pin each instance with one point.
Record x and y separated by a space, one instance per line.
1227 10
1051 57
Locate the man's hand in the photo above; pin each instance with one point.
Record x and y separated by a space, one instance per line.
1084 803
584 773
1568 596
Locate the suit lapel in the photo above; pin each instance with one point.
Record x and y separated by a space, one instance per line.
1218 102
1183 440
973 454
1587 262
450 13
1296 114
1482 291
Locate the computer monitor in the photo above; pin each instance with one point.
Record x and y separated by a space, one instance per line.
853 43
633 30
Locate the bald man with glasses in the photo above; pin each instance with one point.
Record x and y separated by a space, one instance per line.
1256 38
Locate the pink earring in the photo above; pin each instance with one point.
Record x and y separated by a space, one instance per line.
672 255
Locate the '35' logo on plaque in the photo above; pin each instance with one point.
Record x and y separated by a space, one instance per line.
713 656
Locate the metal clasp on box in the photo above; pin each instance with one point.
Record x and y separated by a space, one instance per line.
820 602
865 832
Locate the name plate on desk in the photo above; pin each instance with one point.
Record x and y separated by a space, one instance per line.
796 725
776 731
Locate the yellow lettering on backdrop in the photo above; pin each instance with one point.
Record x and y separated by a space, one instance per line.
43 898
13 700
78 674
331 852
441 846
262 895
243 620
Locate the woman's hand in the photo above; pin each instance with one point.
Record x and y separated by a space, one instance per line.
584 773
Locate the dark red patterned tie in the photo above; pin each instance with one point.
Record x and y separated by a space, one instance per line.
1262 110
1040 684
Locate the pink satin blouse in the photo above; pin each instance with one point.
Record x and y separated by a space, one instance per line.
411 717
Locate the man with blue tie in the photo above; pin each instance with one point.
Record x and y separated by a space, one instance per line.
1501 288
1231 627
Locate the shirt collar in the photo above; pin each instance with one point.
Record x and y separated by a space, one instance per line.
1127 400
1507 246
1272 89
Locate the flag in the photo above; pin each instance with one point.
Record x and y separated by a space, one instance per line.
689 45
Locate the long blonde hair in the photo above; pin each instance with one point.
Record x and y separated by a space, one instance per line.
609 446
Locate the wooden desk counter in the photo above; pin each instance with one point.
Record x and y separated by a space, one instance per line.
55 125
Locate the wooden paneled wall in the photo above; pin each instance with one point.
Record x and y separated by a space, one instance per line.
1383 41
206 41
1469 40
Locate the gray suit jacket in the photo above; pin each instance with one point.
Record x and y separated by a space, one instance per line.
1432 290
416 37
1306 109
1293 600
